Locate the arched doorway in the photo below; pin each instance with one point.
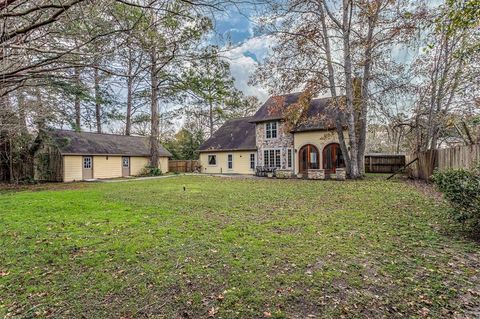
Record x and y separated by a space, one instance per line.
308 158
332 158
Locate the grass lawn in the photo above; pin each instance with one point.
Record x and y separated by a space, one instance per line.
233 248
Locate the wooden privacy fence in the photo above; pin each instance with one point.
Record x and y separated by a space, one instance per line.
443 159
183 166
383 163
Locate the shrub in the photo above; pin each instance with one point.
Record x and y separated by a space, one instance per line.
151 171
461 188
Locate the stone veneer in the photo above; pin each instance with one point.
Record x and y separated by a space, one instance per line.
316 174
284 173
284 141
341 174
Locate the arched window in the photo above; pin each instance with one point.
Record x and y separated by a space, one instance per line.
308 158
332 158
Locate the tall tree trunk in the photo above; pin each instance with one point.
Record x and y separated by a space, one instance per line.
10 160
128 122
210 118
363 87
77 101
154 125
350 111
98 100
22 117
333 91
361 122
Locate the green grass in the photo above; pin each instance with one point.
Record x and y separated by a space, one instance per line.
233 248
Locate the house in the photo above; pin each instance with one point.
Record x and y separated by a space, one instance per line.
73 156
309 148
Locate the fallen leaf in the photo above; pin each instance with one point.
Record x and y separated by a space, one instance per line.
212 312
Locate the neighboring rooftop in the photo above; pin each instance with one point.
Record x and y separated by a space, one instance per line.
237 134
87 143
319 115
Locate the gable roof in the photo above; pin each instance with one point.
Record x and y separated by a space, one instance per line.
275 106
318 116
87 143
234 135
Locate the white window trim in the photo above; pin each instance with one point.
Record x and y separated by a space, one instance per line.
230 154
254 161
208 161
276 130
292 157
272 149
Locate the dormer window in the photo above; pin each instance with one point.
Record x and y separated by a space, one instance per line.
271 130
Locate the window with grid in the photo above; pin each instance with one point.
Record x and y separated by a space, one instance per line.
271 158
230 161
252 161
289 158
271 130
87 162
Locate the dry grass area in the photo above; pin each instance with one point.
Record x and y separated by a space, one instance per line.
234 248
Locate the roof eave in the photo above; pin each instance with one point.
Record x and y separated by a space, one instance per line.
109 154
227 150
267 119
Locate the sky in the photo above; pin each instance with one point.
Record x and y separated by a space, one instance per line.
245 48
238 26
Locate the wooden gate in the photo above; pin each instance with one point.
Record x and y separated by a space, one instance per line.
383 163
183 166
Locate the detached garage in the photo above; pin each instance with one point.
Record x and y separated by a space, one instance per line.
66 156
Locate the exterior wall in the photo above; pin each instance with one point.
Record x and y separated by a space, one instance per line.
318 138
72 168
163 164
241 163
284 141
137 164
107 166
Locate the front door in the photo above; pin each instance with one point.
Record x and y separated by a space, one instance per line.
307 158
125 166
87 171
332 158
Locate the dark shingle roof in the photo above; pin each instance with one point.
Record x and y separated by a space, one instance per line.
274 107
237 134
318 116
86 143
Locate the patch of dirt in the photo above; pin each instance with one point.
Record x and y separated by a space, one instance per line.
425 188
7 188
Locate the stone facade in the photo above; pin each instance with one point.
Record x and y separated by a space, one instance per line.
341 174
316 174
282 173
283 142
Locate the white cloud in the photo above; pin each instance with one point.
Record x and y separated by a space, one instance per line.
243 67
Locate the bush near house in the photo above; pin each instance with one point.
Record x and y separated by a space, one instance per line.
151 171
462 189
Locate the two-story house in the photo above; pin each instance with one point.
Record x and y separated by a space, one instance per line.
242 144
